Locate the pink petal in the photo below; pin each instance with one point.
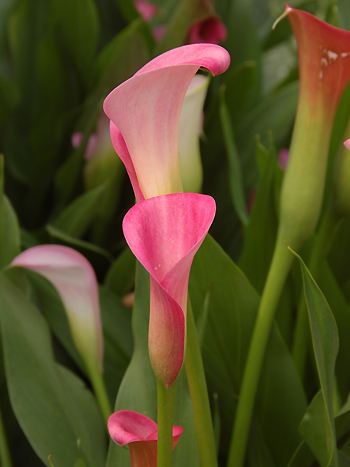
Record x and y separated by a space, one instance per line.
347 144
91 144
164 234
127 426
146 110
76 139
74 278
283 157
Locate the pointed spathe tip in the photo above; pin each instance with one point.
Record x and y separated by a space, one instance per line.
286 12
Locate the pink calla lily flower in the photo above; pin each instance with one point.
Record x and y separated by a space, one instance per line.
209 30
164 234
140 434
146 9
75 281
145 110
324 69
347 144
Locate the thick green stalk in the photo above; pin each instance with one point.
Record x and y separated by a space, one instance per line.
5 459
319 252
279 269
165 404
100 391
199 395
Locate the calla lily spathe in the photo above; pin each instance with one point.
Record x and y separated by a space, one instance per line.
210 29
145 113
140 434
75 281
164 233
324 67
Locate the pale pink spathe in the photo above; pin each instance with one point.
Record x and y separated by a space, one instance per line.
140 434
145 112
347 143
164 234
75 281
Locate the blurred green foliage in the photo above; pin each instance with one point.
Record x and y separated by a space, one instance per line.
58 60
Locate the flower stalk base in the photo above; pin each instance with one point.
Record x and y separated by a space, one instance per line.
279 269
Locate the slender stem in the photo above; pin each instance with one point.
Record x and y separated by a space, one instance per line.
5 459
165 404
100 391
279 269
319 252
199 395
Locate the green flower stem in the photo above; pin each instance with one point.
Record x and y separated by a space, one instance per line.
199 395
5 459
319 252
100 391
279 269
165 404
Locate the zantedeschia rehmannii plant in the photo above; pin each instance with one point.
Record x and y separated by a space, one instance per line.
140 434
164 233
145 113
324 68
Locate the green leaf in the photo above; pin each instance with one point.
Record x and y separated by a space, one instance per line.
344 13
186 13
78 216
260 233
78 27
116 320
243 42
77 242
55 411
138 390
121 275
341 311
317 426
241 85
129 48
271 118
9 228
231 304
235 175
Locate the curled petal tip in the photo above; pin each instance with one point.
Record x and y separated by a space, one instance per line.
127 426
213 57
